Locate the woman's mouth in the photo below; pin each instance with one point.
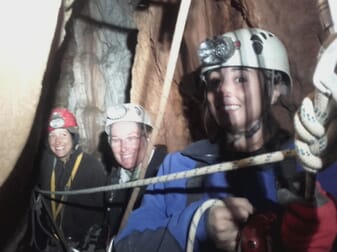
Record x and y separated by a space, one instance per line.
231 107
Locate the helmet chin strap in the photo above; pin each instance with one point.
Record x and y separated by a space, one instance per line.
232 137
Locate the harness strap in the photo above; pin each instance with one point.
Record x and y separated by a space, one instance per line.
56 208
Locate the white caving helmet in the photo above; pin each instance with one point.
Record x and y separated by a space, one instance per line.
127 112
249 47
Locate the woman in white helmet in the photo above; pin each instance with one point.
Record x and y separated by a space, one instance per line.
245 72
128 127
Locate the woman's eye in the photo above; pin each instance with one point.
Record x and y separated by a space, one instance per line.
213 83
241 79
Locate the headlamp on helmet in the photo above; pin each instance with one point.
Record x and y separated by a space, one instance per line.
255 48
127 112
62 118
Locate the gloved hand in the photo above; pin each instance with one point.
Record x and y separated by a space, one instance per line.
315 135
314 118
308 226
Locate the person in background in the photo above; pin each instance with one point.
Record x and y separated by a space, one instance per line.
245 72
68 222
129 127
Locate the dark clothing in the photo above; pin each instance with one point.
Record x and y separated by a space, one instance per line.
80 214
118 200
162 222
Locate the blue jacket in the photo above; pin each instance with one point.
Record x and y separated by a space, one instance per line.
162 222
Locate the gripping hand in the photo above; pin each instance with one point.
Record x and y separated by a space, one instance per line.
314 120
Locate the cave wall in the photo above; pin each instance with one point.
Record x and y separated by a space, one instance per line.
95 72
28 48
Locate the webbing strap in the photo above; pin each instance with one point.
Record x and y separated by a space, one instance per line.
56 208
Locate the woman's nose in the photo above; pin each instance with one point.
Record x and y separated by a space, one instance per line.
124 144
226 86
57 140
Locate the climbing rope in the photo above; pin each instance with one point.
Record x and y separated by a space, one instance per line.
267 158
196 218
308 146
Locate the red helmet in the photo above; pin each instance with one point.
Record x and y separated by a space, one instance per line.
62 118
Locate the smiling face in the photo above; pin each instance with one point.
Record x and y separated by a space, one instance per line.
128 144
61 143
234 97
